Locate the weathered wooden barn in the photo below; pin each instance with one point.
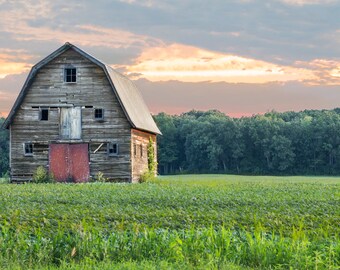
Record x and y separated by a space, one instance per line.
76 116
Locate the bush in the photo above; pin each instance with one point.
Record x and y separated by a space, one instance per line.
147 177
5 178
100 178
41 175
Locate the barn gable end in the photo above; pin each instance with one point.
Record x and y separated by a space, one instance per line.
71 111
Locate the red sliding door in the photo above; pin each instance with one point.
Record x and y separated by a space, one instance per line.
69 162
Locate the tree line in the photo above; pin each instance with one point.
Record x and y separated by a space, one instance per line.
4 149
294 143
289 143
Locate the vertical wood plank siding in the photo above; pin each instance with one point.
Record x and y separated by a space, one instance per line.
140 163
91 89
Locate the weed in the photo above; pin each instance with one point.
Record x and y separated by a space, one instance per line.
5 179
147 177
41 175
100 178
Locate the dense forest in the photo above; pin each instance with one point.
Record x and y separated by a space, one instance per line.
301 143
4 149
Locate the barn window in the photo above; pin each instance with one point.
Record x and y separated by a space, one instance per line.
99 114
43 114
28 149
112 149
134 149
141 150
70 75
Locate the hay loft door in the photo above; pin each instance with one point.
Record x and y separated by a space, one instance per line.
69 162
70 123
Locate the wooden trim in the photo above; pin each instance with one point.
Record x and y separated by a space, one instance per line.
103 114
65 76
100 146
61 105
24 148
40 113
108 149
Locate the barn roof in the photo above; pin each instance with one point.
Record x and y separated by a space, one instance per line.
126 91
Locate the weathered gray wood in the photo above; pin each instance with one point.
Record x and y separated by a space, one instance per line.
49 90
95 151
70 123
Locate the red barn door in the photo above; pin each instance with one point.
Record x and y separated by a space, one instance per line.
69 162
59 161
79 162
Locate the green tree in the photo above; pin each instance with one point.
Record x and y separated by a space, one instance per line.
167 150
4 149
306 142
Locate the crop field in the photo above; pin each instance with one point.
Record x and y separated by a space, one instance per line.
178 222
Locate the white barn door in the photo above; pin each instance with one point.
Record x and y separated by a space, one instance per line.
70 123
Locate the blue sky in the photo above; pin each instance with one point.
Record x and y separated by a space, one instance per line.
241 57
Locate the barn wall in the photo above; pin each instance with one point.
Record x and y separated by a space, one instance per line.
140 161
91 89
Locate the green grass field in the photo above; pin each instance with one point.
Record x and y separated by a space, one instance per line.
180 222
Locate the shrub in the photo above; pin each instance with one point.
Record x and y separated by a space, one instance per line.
147 177
5 178
100 178
41 175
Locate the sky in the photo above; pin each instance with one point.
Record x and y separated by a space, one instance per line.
241 57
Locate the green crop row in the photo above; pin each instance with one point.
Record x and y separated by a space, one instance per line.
194 247
198 221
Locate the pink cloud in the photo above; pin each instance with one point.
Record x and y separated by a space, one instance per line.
13 62
192 64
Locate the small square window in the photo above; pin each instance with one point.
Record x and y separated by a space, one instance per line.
134 149
112 149
70 75
43 114
98 114
28 149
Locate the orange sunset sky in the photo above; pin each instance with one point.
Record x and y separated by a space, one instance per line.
240 57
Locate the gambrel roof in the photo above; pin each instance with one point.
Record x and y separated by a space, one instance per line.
126 91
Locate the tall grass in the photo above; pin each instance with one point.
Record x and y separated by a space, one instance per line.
258 249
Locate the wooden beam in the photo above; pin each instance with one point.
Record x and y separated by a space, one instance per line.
59 105
100 146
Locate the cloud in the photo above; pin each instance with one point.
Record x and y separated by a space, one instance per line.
13 62
191 64
10 87
257 42
18 61
85 35
257 29
147 3
28 24
327 71
8 68
335 72
30 21
308 2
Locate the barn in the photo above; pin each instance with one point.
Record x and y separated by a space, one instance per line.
78 117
